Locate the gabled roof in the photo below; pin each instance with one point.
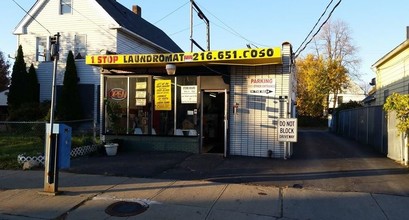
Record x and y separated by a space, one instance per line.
401 47
129 22
136 24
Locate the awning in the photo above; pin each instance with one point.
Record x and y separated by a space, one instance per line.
247 57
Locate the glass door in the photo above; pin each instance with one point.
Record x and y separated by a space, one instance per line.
214 121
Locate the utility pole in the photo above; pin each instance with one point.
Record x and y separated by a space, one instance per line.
202 16
51 154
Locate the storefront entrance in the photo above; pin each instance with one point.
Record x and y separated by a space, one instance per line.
214 115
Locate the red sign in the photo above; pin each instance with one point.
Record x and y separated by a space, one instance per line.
117 94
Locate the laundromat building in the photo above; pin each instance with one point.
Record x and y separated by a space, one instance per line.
228 101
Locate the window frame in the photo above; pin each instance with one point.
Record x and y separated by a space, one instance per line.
80 46
42 41
65 7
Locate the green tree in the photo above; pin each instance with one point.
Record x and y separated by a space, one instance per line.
4 72
33 89
311 86
69 104
17 94
400 104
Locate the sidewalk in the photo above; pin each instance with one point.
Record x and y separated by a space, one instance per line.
88 196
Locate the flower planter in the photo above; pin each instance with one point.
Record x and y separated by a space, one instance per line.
111 149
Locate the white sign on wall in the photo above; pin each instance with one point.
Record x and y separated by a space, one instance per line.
189 94
287 129
261 86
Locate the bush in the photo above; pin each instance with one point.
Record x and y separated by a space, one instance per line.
309 121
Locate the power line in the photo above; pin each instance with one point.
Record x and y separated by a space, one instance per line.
232 31
31 16
315 25
185 29
171 12
297 53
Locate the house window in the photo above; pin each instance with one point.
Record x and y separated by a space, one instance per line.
340 100
41 51
65 7
80 50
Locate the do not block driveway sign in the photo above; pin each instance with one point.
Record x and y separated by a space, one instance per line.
287 129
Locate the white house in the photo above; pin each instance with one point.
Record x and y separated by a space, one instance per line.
3 104
86 27
392 76
351 92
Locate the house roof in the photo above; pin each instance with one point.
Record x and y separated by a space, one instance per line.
136 24
128 21
397 50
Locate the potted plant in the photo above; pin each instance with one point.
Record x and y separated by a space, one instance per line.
114 113
111 148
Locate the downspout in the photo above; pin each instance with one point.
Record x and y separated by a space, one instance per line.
101 106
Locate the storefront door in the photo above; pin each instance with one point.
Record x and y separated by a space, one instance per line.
214 121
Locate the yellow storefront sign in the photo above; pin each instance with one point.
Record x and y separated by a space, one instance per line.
244 56
163 95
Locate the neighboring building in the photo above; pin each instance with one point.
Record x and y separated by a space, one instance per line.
392 76
392 72
86 27
3 104
351 92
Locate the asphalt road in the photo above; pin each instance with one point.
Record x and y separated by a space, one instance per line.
321 161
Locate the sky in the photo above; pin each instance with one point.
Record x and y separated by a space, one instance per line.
377 27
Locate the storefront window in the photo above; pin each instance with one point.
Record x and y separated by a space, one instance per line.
116 105
139 106
186 105
147 105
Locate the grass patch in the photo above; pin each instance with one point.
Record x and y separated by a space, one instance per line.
12 146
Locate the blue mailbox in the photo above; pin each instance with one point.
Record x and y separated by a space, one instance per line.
63 135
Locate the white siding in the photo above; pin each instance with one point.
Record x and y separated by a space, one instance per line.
128 45
253 130
87 18
86 73
3 98
44 76
393 76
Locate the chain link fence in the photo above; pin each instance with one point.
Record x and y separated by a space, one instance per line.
28 138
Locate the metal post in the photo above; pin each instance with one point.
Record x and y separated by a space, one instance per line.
51 159
226 122
191 25
175 105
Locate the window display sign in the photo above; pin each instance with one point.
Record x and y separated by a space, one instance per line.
117 94
140 85
189 94
163 95
140 94
261 86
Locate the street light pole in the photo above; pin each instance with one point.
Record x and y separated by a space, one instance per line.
51 154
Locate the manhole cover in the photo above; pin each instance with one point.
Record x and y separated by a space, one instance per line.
125 209
297 186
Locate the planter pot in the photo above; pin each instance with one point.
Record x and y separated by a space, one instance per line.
111 149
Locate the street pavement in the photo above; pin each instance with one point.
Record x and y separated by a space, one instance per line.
339 180
87 196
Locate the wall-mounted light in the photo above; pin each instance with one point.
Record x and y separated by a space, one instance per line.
171 69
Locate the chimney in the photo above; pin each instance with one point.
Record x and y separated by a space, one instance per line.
407 32
137 10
